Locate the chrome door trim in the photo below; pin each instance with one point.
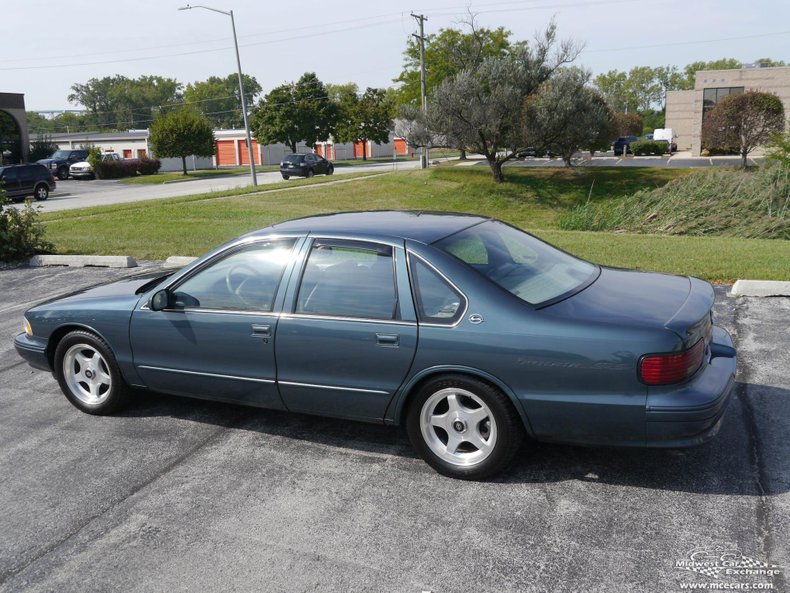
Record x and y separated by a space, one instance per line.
339 318
217 375
333 388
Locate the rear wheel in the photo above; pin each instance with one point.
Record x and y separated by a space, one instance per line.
464 428
41 192
309 173
286 177
88 374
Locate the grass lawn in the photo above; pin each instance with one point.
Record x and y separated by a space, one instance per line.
178 176
532 199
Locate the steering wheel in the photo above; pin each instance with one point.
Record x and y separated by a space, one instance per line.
235 285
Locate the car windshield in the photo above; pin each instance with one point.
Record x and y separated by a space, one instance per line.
60 154
294 158
518 262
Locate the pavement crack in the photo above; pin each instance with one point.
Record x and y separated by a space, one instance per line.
12 571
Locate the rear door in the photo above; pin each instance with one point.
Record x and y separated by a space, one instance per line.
27 180
350 336
10 179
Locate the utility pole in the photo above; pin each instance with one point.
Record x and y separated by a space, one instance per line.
421 18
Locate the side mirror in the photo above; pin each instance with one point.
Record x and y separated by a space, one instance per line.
160 300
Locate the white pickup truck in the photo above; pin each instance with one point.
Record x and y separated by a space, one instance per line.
83 169
667 135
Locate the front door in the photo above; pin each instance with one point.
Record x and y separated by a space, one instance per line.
350 338
216 339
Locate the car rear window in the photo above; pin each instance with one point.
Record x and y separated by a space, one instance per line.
523 265
294 158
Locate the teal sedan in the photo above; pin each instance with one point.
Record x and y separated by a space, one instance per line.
469 332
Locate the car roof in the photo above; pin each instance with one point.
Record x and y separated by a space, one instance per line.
418 225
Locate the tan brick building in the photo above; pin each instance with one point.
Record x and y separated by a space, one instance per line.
685 109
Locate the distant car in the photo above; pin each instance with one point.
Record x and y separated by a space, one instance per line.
470 332
667 135
648 136
305 165
60 161
83 169
21 181
623 145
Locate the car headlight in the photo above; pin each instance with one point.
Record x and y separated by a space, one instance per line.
26 326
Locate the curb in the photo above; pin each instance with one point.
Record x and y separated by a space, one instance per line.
760 288
178 261
81 261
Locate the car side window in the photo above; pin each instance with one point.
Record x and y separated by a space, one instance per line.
245 280
348 279
437 300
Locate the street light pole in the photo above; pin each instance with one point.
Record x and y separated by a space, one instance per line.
241 86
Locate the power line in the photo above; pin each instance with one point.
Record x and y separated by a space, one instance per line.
686 42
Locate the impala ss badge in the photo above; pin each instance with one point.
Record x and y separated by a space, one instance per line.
475 318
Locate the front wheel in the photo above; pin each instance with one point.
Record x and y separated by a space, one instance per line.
286 177
88 375
309 173
464 428
63 173
330 170
41 192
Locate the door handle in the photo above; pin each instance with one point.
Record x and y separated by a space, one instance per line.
261 330
392 340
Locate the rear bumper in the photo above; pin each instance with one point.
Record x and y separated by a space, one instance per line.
33 350
692 413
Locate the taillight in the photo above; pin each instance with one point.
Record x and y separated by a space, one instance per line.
663 369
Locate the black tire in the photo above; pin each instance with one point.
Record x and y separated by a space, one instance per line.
63 173
83 357
41 192
330 169
286 177
309 173
506 430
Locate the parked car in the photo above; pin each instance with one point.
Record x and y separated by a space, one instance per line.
21 181
83 169
305 165
61 160
667 135
623 145
469 331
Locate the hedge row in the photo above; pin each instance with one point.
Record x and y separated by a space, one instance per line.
118 169
643 147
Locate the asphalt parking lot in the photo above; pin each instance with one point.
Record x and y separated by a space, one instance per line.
184 495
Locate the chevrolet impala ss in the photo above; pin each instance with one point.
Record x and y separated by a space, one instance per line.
468 331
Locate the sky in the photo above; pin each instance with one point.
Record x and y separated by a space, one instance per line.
46 47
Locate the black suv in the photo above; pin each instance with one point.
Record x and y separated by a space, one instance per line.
623 145
305 165
61 160
20 181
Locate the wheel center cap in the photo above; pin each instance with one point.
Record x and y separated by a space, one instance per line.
89 373
459 426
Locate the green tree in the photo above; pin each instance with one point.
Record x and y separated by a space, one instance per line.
218 99
118 102
743 122
363 118
478 107
690 71
182 133
769 63
41 148
292 113
628 124
639 90
565 115
446 53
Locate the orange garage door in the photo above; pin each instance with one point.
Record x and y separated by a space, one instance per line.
244 155
226 153
400 146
